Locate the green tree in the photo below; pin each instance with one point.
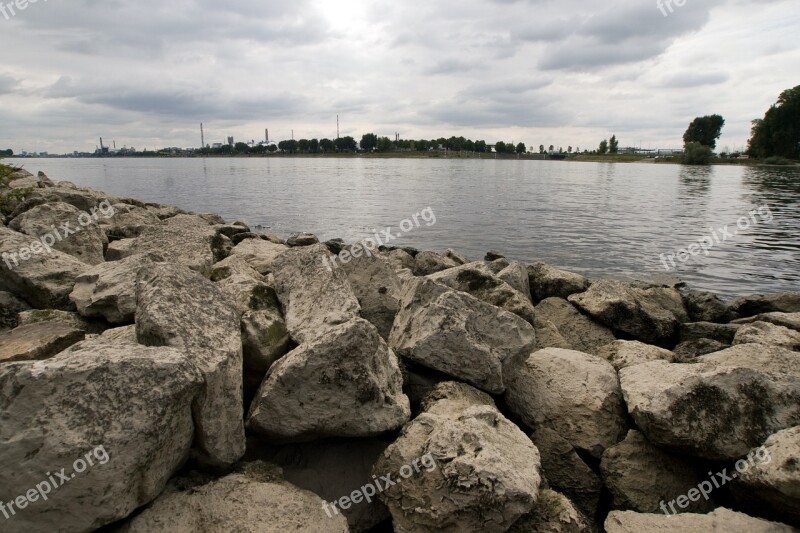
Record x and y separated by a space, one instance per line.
521 148
541 148
480 146
500 147
705 130
313 146
778 133
696 154
346 144
613 145
369 141
384 144
304 145
551 148
241 148
603 149
327 145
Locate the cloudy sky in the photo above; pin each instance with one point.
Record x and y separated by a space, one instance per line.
561 72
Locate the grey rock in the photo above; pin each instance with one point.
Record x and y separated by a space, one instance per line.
784 302
10 307
122 335
426 263
37 341
581 332
622 354
400 259
787 320
128 221
723 333
767 333
706 307
302 239
119 249
550 282
552 513
457 257
720 520
377 287
687 352
516 275
260 254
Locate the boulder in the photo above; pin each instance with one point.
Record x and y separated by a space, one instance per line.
516 275
344 383
232 230
706 307
640 313
723 333
720 520
116 418
478 471
550 282
548 336
622 354
772 480
719 408
128 221
315 299
10 307
687 352
457 257
250 502
119 249
123 335
302 239
82 199
72 231
493 255
108 290
177 307
566 472
641 477
164 212
45 280
427 263
787 320
400 259
260 254
767 333
581 332
455 333
552 513
37 341
479 281
576 394
376 286
69 318
212 219
784 302
234 264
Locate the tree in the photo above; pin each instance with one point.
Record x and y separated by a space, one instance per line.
521 148
569 149
500 147
696 154
613 145
705 130
327 145
313 146
551 148
242 148
603 149
346 144
541 148
369 141
304 145
480 146
384 144
778 133
272 148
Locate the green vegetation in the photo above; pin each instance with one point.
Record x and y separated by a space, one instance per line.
603 149
613 145
778 133
697 154
777 160
9 198
705 130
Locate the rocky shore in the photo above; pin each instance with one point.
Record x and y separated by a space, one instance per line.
234 382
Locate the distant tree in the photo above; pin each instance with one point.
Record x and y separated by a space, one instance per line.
480 146
778 133
272 148
705 130
469 146
304 145
603 149
569 149
500 147
327 145
521 148
696 154
313 146
541 148
241 148
551 148
369 141
384 144
289 146
346 144
6 153
613 145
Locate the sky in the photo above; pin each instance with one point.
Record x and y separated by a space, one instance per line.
563 72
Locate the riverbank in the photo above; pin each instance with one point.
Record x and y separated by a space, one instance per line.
234 377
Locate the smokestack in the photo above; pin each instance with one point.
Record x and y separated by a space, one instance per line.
266 132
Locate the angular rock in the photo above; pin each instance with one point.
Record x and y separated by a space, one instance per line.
45 280
128 221
720 520
576 394
427 263
232 230
123 411
723 333
344 383
515 274
457 257
783 302
260 254
787 320
706 307
581 332
641 476
479 281
10 307
302 239
246 503
124 335
37 341
480 472
377 287
552 513
767 333
232 265
457 334
119 249
634 311
212 219
82 199
177 307
400 259
550 282
719 408
772 480
164 212
548 336
566 472
494 255
622 354
687 352
108 290
315 299
69 318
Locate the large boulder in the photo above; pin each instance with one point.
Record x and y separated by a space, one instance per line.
344 383
772 480
622 354
114 420
719 408
10 307
706 307
787 320
479 472
631 310
479 281
767 333
315 298
783 302
128 221
515 274
179 308
720 520
70 318
724 333
427 263
550 282
70 230
581 332
576 394
108 290
82 199
260 254
552 513
43 280
455 333
37 341
641 476
255 501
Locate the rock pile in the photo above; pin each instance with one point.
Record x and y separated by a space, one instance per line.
233 381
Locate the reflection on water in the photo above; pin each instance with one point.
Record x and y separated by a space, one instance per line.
596 218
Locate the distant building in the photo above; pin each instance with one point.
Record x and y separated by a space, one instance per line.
230 141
